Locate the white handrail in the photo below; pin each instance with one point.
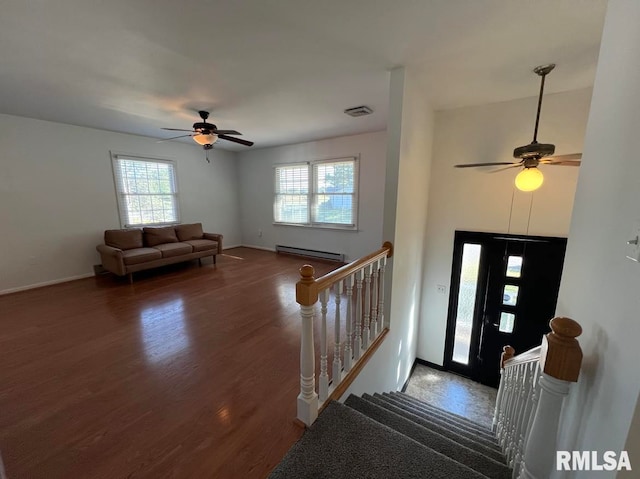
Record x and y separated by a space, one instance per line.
363 327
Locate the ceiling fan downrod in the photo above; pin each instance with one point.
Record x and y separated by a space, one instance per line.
543 71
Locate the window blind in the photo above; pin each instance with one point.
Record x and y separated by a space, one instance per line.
291 203
147 191
320 193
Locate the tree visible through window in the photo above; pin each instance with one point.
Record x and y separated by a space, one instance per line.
322 193
147 191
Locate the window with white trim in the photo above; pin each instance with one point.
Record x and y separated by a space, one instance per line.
147 191
318 193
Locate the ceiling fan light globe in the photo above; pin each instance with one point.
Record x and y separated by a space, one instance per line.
205 139
529 179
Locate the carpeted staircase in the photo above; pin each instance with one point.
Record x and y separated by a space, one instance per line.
393 436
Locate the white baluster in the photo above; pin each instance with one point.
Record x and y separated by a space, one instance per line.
525 418
508 411
366 336
323 380
348 352
513 417
507 353
505 422
511 453
505 404
357 342
499 399
337 363
374 301
535 394
525 392
383 262
518 413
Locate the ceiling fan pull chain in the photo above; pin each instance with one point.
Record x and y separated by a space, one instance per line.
529 218
513 193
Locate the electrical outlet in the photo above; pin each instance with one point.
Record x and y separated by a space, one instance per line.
259 233
442 289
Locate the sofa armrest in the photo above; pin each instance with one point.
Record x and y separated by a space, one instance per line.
112 259
214 237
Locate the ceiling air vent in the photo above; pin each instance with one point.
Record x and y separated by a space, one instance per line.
359 111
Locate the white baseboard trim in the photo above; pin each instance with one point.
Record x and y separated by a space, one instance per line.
88 275
263 248
45 283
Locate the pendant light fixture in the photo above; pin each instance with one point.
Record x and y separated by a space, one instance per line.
529 179
205 139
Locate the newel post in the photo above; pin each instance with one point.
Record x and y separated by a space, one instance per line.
307 297
560 361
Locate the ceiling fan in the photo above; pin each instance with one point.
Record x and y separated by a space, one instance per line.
534 154
206 134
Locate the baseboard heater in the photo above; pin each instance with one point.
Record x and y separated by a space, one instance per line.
310 253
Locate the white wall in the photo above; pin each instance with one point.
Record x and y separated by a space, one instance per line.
57 195
410 133
474 199
600 286
256 195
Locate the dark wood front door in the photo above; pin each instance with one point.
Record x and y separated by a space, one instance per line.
504 290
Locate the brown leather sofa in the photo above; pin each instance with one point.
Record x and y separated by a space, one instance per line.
130 250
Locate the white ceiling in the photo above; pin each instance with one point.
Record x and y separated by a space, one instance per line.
280 71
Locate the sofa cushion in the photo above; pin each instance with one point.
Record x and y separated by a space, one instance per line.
189 232
202 245
156 236
140 255
170 250
123 239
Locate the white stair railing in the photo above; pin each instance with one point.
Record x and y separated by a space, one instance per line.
532 388
364 327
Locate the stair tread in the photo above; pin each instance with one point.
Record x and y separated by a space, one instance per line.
453 415
476 445
345 443
442 444
454 418
460 429
431 409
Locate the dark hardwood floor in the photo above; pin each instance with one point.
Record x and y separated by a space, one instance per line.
190 372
